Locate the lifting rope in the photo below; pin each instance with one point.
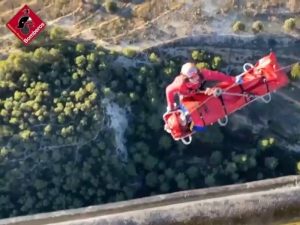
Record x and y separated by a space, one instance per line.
218 92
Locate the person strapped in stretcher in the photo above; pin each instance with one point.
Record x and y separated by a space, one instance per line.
190 80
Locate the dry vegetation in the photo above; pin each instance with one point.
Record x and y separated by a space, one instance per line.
146 20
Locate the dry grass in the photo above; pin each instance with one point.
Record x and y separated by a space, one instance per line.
293 223
58 8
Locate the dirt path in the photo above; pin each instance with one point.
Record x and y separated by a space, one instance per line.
143 26
64 16
94 27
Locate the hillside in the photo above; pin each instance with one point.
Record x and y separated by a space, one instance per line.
81 106
144 23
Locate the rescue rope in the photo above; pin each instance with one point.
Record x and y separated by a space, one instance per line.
240 95
234 84
288 66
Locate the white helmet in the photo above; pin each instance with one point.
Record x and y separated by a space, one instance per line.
189 69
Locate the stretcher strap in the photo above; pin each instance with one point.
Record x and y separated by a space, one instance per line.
243 92
266 83
223 104
202 118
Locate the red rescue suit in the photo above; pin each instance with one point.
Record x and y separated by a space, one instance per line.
182 86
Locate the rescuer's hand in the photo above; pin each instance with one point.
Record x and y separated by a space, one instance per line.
209 91
239 79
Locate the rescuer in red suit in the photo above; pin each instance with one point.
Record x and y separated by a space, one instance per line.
191 79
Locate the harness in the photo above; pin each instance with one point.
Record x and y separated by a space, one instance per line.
203 82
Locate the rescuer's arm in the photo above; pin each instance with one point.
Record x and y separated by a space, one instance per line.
171 91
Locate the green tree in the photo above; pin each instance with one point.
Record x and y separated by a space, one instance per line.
131 170
90 87
210 180
155 124
13 120
230 168
137 158
182 181
298 167
289 24
203 65
133 96
57 33
3 152
164 187
165 142
192 172
5 131
80 48
266 143
257 26
271 163
110 6
41 55
23 62
216 63
215 158
252 162
80 61
150 162
151 179
129 52
238 26
154 58
169 173
295 71
198 55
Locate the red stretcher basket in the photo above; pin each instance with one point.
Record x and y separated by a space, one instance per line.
259 81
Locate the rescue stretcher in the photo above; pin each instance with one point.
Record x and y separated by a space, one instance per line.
201 110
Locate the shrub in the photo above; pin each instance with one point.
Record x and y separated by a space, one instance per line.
110 6
298 167
257 27
289 24
165 142
295 72
216 62
238 26
271 162
198 55
57 33
80 48
202 65
266 143
154 58
129 52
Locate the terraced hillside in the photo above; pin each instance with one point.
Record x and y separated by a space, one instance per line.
145 23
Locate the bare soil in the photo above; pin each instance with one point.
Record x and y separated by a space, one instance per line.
146 23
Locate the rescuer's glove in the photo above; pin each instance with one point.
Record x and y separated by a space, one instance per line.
239 79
